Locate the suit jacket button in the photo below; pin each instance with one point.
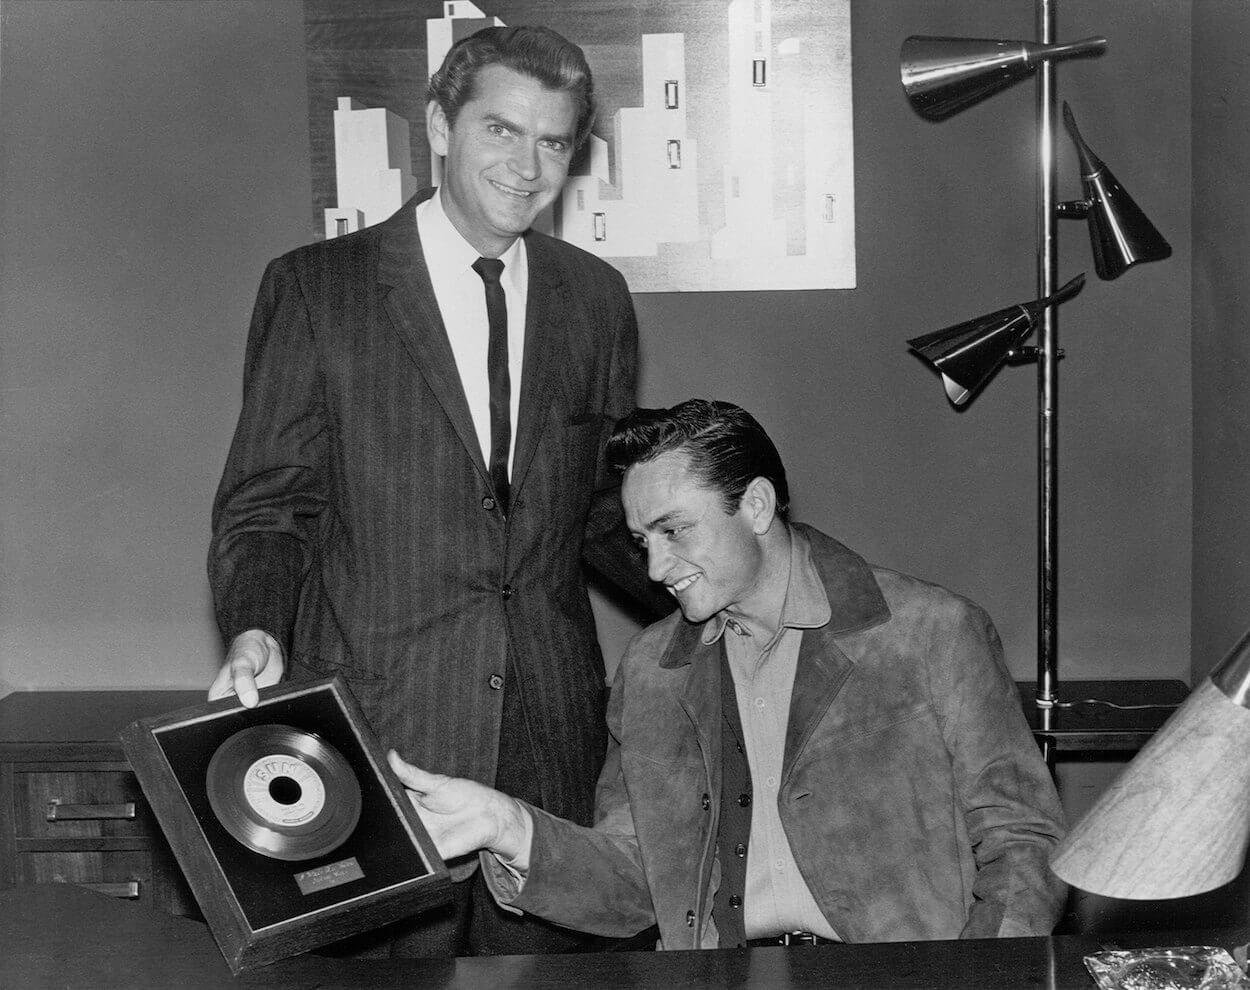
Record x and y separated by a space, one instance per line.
707 802
689 919
735 901
506 591
496 682
744 800
740 850
488 503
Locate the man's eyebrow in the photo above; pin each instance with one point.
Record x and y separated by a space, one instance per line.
661 521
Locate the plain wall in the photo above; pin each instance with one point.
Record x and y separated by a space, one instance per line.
1221 319
155 156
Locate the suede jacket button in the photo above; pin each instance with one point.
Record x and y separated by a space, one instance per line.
496 682
488 503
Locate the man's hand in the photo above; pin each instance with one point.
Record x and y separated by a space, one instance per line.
463 816
254 661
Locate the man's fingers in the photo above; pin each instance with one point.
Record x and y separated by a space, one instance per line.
243 680
223 684
414 778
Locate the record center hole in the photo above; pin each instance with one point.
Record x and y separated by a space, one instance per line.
285 790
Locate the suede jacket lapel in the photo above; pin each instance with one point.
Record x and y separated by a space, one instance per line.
855 603
413 310
700 695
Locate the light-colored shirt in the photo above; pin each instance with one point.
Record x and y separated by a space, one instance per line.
777 898
461 298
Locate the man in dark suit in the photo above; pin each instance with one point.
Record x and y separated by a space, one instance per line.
417 473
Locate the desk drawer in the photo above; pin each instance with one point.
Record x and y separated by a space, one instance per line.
125 875
74 804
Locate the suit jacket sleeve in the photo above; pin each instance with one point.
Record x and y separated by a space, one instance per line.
272 489
607 547
588 879
1009 802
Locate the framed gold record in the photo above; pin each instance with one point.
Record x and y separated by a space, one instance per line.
288 823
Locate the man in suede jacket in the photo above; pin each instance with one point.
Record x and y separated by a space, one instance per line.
814 749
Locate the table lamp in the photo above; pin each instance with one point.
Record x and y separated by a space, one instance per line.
1177 819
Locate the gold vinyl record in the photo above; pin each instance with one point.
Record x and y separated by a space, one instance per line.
283 792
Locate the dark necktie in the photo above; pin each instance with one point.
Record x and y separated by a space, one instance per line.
497 372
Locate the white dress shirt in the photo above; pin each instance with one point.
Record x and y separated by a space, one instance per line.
461 298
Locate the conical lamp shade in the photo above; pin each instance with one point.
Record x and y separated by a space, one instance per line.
942 76
967 354
1176 821
1119 232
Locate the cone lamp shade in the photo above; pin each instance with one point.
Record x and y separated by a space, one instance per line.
1176 820
967 354
1120 234
942 76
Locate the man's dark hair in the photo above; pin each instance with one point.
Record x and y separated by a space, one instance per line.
537 52
725 447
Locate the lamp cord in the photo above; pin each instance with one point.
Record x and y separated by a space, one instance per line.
1111 704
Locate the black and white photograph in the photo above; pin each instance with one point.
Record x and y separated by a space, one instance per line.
755 487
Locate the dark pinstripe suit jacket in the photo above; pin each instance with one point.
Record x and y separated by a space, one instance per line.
354 520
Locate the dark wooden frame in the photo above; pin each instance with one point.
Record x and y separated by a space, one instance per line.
216 885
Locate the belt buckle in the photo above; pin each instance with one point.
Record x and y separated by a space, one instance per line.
798 938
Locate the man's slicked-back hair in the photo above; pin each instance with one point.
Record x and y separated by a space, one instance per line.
537 52
725 447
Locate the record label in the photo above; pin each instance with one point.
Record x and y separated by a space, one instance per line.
283 792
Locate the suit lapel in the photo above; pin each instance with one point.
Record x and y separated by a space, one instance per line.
546 359
413 310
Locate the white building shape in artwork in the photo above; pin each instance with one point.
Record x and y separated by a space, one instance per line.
654 198
748 170
460 19
372 167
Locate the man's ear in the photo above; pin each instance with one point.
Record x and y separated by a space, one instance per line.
436 128
760 503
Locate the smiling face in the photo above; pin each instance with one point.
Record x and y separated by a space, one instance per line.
707 559
507 156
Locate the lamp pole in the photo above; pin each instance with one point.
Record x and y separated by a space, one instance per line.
1047 373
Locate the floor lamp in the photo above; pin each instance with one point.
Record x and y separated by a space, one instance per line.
941 77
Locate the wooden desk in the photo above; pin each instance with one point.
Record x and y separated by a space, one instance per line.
1086 728
71 810
67 937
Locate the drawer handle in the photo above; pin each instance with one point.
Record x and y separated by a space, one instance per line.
58 812
126 889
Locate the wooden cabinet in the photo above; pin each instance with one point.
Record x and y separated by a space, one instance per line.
71 810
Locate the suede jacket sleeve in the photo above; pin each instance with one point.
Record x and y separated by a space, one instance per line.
1009 802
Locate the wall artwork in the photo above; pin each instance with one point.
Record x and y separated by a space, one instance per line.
722 157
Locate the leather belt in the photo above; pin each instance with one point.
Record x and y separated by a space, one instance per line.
791 938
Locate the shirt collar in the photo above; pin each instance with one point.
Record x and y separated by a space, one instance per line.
806 605
448 255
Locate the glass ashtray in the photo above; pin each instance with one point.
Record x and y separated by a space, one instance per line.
1188 967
